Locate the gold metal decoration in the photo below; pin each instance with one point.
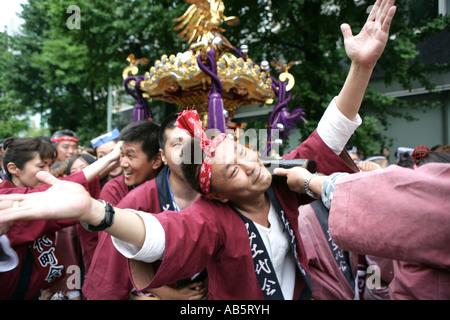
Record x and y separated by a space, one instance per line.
278 64
201 18
177 78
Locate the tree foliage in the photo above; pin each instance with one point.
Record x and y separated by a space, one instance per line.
63 73
11 110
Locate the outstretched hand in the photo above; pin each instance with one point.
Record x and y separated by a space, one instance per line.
366 48
63 200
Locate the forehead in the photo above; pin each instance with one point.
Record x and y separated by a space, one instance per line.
176 134
37 159
79 161
106 147
226 152
132 146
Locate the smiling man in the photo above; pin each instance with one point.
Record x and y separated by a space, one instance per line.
244 228
108 277
140 160
66 144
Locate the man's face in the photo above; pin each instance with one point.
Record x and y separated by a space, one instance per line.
66 150
103 149
136 167
173 149
238 173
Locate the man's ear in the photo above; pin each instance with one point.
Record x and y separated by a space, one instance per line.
157 162
163 156
217 196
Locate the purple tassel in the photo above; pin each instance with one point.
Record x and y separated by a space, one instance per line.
141 109
216 118
141 112
281 115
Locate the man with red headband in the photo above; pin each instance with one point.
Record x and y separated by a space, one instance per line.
244 227
66 144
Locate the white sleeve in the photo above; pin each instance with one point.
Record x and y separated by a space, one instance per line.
335 129
8 257
154 244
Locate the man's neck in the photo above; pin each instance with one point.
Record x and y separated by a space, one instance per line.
256 210
183 194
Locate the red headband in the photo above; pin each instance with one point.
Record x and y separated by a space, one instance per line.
65 139
189 121
419 153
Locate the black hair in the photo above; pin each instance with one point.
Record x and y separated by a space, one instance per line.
168 123
191 166
21 150
435 156
146 132
88 158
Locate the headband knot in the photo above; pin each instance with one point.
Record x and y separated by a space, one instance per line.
419 153
189 121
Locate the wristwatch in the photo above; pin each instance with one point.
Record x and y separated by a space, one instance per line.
106 222
309 192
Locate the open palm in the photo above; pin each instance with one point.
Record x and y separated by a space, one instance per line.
366 47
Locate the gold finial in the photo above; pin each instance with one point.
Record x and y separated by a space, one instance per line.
133 61
201 18
132 68
279 66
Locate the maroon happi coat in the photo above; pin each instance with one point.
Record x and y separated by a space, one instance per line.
402 214
328 281
210 234
108 279
22 234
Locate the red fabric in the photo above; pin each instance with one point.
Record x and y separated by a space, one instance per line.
419 153
210 234
23 233
189 121
65 139
327 280
416 281
114 190
89 239
107 278
410 224
326 159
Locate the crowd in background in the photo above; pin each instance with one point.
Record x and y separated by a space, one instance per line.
103 271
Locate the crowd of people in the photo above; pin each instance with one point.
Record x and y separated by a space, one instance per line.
137 217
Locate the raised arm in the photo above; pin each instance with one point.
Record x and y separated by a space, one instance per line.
69 200
341 118
104 165
364 50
